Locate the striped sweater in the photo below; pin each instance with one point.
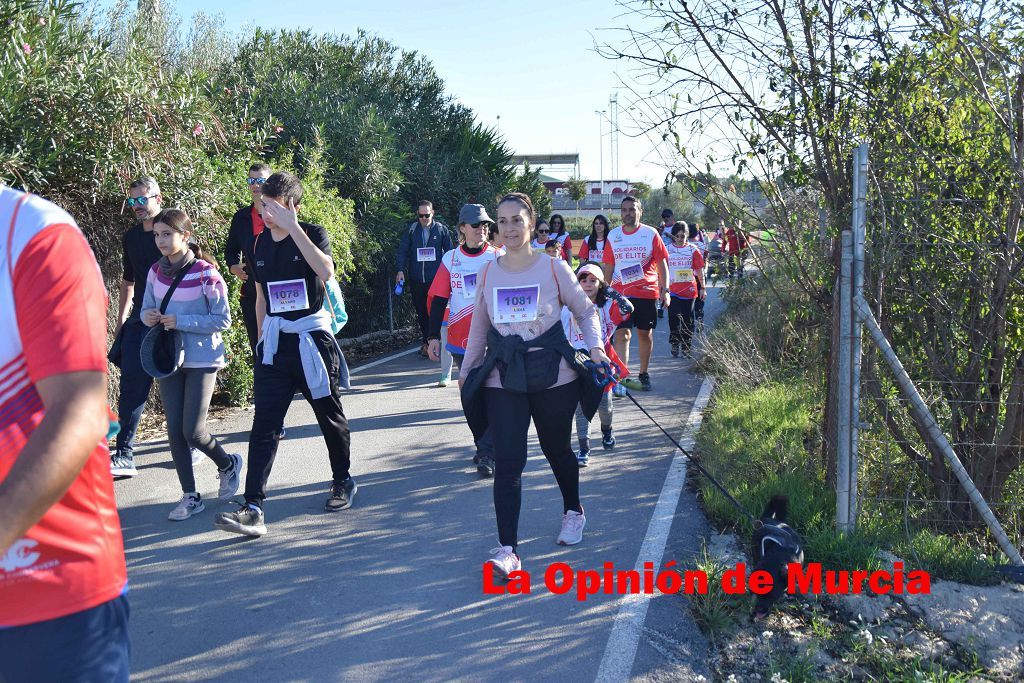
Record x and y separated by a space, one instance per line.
200 305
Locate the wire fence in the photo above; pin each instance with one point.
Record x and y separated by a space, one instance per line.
942 276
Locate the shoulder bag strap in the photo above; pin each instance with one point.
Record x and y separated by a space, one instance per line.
174 285
557 286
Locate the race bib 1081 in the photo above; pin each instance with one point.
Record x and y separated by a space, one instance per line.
515 304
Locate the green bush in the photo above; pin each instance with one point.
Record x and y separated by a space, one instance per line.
90 102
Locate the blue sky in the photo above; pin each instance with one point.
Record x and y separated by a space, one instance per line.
531 62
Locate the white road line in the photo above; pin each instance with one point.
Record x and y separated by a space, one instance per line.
617 663
381 361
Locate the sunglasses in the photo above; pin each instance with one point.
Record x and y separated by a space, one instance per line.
255 181
423 215
543 232
140 201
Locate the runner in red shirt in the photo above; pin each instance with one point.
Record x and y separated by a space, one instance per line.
736 244
686 272
63 610
635 262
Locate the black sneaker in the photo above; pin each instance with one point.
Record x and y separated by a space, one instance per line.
246 520
122 465
583 457
607 439
341 495
486 466
645 381
476 459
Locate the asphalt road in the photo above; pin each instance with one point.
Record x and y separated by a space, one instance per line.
392 588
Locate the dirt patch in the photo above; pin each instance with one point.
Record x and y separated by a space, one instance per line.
956 633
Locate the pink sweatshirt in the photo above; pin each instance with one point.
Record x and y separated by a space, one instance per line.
532 296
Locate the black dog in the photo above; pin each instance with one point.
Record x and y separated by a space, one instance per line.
775 546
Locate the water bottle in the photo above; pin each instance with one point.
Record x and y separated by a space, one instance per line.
399 287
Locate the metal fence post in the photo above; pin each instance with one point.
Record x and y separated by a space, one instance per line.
859 225
391 307
845 391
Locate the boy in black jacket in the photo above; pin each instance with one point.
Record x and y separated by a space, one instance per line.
246 224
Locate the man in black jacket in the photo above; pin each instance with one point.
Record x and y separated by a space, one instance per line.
246 224
419 255
139 253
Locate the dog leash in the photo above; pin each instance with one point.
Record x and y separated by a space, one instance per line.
604 374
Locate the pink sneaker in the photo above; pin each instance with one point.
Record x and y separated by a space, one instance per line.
505 561
572 528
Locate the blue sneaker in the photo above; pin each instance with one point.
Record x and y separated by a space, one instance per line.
583 457
607 439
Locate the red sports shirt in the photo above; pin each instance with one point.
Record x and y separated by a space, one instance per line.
456 280
635 257
683 263
53 316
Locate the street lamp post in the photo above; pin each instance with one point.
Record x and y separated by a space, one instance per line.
600 140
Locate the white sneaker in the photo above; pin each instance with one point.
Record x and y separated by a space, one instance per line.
505 561
572 528
229 480
190 505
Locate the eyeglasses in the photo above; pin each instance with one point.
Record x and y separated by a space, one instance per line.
423 215
543 232
256 181
140 201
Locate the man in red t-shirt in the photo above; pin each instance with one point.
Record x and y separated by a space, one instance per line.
635 262
736 243
63 610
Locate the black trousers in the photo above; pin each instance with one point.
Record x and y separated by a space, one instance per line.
273 389
680 321
509 416
134 387
419 300
248 304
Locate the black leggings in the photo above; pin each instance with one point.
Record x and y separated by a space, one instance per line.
509 416
680 321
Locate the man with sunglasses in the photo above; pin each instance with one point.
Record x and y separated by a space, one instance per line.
245 225
139 253
418 258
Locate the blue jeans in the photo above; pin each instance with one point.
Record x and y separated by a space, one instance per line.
135 385
84 647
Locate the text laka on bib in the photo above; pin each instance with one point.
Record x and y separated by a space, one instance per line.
288 295
516 304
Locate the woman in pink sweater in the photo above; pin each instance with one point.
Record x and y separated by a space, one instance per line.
517 342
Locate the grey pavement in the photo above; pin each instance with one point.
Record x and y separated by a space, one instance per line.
392 588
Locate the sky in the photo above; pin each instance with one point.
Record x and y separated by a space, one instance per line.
530 62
